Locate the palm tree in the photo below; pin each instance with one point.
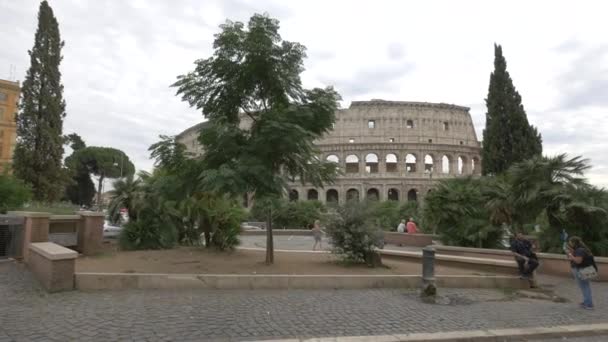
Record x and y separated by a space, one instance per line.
556 186
127 193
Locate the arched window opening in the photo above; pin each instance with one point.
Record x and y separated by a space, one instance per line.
391 163
352 195
332 196
445 164
475 169
428 163
371 163
373 194
412 195
461 165
333 158
393 194
410 163
294 195
409 124
352 164
313 195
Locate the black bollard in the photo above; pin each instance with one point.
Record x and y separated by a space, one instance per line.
428 272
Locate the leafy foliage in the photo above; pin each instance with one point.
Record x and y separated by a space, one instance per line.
39 148
81 189
555 187
261 121
387 215
289 215
103 162
168 207
353 236
550 191
508 137
456 208
13 193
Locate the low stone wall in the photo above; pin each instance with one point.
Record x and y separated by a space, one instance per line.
122 281
550 264
483 265
277 232
410 240
52 265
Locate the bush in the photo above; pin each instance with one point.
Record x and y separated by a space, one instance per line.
289 215
354 237
13 193
147 233
456 208
226 219
387 215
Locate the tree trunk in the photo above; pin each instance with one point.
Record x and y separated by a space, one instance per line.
101 177
269 240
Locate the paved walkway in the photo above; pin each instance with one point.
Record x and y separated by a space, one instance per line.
299 243
29 314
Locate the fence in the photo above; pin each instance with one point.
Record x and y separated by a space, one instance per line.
11 236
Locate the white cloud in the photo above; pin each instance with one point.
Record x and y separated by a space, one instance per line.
121 56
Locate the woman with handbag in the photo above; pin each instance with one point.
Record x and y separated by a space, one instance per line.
583 268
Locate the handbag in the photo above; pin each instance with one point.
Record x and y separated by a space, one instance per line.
587 273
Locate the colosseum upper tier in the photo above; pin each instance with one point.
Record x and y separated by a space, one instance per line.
390 150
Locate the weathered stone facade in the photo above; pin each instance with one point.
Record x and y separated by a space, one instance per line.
390 150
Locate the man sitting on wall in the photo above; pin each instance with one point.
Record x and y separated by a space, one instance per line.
526 259
411 226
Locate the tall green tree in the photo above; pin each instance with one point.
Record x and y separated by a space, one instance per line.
262 122
508 138
39 149
104 162
81 189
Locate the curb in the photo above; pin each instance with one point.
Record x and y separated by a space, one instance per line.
123 281
472 335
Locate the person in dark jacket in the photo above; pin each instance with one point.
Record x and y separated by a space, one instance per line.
526 259
580 257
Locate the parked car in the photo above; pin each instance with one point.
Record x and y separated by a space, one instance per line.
110 231
253 225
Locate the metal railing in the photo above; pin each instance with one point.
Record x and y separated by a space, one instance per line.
11 236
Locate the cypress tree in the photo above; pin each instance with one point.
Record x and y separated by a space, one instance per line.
39 149
508 138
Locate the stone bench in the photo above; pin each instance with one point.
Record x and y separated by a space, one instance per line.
53 265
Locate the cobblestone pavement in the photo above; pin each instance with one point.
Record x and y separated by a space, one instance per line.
29 314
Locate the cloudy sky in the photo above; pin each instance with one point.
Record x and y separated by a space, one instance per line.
120 57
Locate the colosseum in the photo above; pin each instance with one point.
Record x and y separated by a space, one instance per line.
389 150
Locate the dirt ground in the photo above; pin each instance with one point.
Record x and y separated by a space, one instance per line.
193 260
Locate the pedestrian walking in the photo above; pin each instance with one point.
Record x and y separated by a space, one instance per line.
317 234
526 259
401 226
583 268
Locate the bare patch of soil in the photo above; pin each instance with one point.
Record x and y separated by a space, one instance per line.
195 260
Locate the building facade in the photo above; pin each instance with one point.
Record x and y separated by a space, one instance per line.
9 97
388 150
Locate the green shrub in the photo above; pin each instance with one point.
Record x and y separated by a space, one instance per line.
13 193
354 237
226 219
456 208
147 233
289 215
387 215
